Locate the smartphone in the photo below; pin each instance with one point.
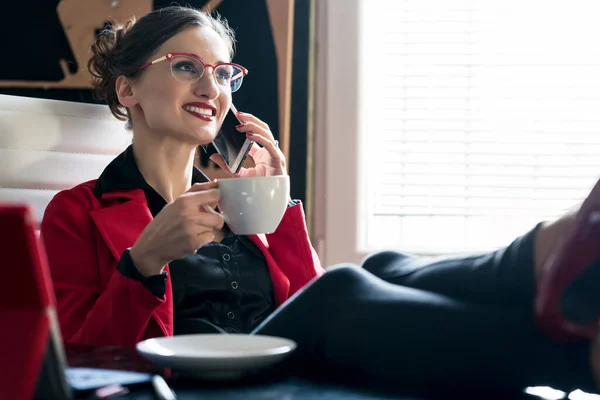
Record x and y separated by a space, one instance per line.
230 143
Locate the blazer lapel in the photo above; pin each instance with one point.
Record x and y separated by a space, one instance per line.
281 283
120 224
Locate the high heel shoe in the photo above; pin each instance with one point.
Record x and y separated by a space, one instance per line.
567 303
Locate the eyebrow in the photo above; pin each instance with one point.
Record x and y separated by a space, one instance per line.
218 61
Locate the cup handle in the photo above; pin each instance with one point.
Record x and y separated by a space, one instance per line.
213 211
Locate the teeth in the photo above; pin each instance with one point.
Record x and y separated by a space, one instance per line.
204 111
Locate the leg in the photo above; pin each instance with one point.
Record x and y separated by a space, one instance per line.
353 327
504 277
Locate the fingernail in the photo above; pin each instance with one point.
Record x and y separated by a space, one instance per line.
249 134
239 126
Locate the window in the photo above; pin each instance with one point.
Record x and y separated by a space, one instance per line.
456 125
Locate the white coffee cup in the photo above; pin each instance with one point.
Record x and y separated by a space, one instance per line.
253 205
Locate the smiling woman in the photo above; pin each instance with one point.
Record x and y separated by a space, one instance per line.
169 75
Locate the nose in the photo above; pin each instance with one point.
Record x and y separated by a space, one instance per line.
206 86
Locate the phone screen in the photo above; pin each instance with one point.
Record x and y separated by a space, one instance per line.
229 141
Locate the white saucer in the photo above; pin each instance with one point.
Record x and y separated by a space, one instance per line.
216 356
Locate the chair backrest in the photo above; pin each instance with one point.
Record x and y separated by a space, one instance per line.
50 145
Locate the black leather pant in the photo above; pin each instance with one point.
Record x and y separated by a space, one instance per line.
403 321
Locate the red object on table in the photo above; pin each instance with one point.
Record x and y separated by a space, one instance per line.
27 304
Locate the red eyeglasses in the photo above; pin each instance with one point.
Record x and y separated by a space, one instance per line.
189 69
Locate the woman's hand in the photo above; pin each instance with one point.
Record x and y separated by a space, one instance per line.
268 159
181 228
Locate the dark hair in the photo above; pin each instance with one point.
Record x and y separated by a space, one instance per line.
121 50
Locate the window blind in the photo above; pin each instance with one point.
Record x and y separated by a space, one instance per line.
487 119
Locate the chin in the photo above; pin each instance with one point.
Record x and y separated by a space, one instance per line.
203 136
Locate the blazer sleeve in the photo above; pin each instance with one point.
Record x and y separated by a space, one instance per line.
89 313
290 247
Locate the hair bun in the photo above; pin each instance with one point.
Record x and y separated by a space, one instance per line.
101 65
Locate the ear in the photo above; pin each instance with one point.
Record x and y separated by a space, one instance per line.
125 92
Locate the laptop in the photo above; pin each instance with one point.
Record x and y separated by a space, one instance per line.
32 356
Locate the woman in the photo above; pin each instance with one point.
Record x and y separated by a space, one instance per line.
134 255
146 209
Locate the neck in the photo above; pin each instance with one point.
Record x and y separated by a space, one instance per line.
165 164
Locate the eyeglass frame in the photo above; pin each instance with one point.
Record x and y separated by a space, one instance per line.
169 56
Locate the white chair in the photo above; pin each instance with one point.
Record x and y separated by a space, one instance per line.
50 145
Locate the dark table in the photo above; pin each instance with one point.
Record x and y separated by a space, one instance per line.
268 385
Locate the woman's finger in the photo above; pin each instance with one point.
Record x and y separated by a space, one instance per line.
247 118
200 187
211 219
255 128
269 145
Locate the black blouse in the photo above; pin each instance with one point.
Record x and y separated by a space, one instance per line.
224 287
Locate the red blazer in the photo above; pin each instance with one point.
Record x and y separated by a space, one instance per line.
84 238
